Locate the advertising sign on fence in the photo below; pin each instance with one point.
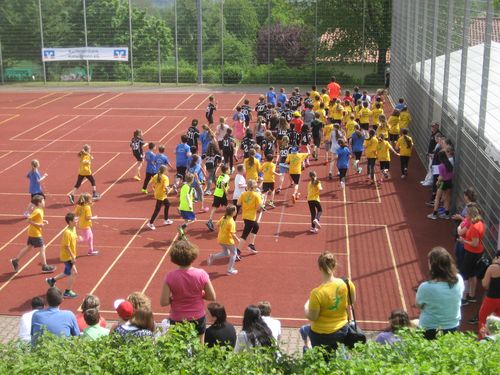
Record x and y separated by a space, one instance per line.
85 53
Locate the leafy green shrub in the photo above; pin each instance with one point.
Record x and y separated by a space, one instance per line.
211 75
374 79
233 73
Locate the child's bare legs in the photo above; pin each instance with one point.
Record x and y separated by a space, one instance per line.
330 169
273 192
437 199
138 166
24 250
71 279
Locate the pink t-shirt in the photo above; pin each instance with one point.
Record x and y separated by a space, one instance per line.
186 288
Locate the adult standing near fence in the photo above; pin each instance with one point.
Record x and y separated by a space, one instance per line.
435 132
333 89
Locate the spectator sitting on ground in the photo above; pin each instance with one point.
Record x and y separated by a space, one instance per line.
273 324
90 302
59 322
141 324
221 332
398 319
93 330
37 304
254 332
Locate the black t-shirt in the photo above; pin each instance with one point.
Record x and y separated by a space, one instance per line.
211 162
273 122
193 134
305 136
136 144
267 146
210 110
316 127
246 144
289 115
284 151
281 132
227 144
260 108
432 142
268 114
295 101
307 102
224 335
294 137
246 109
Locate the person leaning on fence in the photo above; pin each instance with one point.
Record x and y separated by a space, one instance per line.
327 305
427 181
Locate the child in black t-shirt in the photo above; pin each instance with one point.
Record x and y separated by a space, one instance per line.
193 133
228 145
211 108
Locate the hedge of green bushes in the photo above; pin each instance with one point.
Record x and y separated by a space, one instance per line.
179 352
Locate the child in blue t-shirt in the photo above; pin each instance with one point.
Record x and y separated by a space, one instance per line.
151 167
343 155
182 153
357 144
271 96
161 158
35 188
194 168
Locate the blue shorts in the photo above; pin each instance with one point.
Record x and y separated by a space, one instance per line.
284 168
188 215
67 267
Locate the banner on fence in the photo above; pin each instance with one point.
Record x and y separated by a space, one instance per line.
85 53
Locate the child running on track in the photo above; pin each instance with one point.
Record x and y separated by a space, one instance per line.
337 135
137 144
35 239
295 160
84 213
186 204
193 133
252 166
35 188
371 144
199 178
228 146
343 155
384 156
226 239
357 144
284 151
327 141
151 168
220 194
251 203
212 161
160 183
67 255
313 189
84 171
182 153
269 170
240 184
404 145
211 108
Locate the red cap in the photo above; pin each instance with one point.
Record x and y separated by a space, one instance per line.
124 309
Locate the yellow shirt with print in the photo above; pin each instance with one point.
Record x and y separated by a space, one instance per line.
313 191
402 145
82 212
314 94
383 130
68 241
160 187
250 201
84 169
227 227
404 119
326 99
347 113
364 115
268 168
252 171
322 115
350 127
295 161
371 147
317 105
327 131
338 112
383 151
393 123
36 217
357 109
375 115
331 300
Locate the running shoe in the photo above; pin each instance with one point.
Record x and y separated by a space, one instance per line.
71 198
278 190
151 226
51 281
471 299
70 294
464 302
360 170
208 192
432 216
48 269
271 204
93 253
15 264
317 223
444 216
180 229
342 185
210 226
252 249
144 191
96 196
168 222
26 214
232 272
210 259
203 210
137 178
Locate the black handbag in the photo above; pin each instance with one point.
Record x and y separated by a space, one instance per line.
354 333
482 265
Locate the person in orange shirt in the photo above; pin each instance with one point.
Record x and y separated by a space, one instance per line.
84 171
333 89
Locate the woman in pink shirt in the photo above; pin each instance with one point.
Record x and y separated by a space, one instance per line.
186 288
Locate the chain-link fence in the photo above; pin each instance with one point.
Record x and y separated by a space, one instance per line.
445 63
199 41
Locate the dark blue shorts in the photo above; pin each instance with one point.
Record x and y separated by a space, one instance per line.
35 242
67 268
188 215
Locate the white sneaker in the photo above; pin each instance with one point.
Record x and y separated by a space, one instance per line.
210 260
360 170
26 214
317 223
232 272
151 226
168 222
432 216
313 230
342 185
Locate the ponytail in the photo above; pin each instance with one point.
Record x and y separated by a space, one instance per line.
408 141
314 178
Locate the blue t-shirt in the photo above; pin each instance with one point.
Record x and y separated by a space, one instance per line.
282 99
271 97
205 141
181 157
160 159
440 304
343 157
58 322
151 167
196 170
357 142
35 177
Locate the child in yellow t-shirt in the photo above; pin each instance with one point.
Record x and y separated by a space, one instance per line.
84 213
383 128
404 118
268 169
384 156
350 125
376 112
313 189
84 171
227 240
347 111
370 144
68 257
404 145
295 161
327 141
364 116
161 187
393 123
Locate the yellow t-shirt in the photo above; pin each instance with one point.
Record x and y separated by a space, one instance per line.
322 115
295 161
226 229
314 94
357 109
338 112
404 119
250 201
364 115
371 147
83 212
317 104
327 131
252 172
393 123
331 300
375 115
313 191
383 130
160 187
268 168
347 112
350 127
84 169
326 99
68 240
404 150
36 217
383 151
